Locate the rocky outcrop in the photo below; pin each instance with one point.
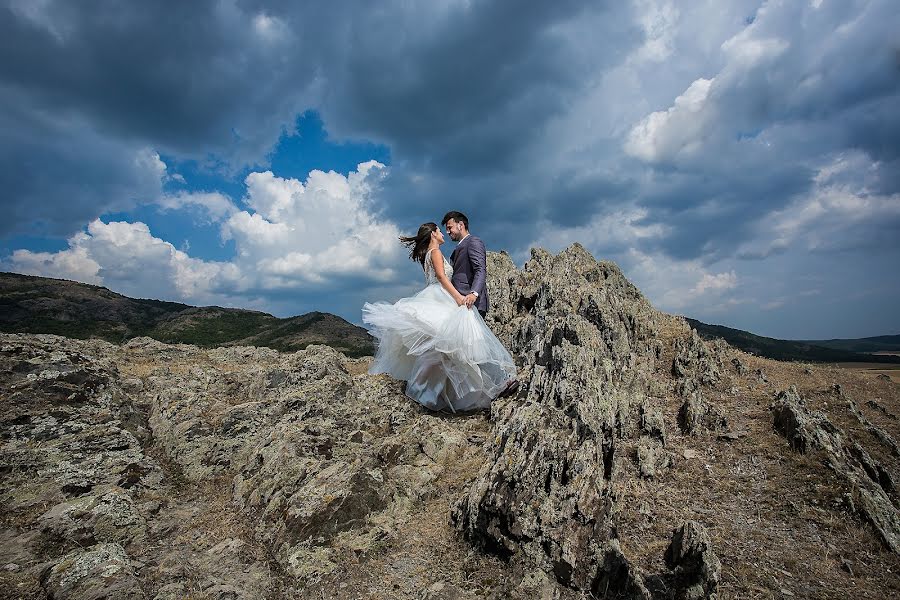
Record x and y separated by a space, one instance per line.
171 471
882 436
804 429
698 360
587 343
542 493
697 415
66 417
695 569
871 483
308 459
108 515
317 459
102 571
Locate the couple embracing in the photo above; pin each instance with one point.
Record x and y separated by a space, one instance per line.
437 340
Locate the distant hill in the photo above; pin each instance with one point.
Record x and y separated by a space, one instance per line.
806 351
31 304
881 343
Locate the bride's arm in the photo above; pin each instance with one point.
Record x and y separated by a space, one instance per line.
438 261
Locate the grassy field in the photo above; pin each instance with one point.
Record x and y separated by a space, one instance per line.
874 369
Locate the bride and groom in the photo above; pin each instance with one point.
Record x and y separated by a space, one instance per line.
437 340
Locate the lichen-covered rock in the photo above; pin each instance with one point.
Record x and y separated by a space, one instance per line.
652 458
651 422
313 452
65 417
807 430
101 571
804 429
696 360
695 569
882 435
108 515
586 339
697 415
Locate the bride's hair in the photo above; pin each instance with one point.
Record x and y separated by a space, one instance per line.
418 244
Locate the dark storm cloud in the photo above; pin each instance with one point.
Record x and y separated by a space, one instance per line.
788 101
466 92
189 77
715 136
458 91
57 172
709 214
88 92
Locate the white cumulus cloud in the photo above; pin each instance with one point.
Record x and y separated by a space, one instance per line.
664 134
127 258
839 212
312 236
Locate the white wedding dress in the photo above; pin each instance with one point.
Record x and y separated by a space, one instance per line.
448 356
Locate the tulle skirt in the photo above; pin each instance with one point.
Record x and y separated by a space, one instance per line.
448 356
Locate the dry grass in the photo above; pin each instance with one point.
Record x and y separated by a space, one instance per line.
778 519
423 548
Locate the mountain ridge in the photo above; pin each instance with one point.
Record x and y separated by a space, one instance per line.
799 350
33 304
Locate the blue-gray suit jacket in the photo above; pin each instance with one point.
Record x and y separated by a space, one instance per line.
470 270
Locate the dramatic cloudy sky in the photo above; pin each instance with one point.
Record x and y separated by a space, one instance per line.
739 160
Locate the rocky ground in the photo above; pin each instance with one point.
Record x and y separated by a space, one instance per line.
636 462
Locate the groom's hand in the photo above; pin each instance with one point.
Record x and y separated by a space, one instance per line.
470 300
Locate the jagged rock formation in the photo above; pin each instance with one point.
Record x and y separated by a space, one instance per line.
588 344
695 568
696 414
872 485
318 460
638 461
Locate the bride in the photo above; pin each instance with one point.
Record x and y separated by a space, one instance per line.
448 356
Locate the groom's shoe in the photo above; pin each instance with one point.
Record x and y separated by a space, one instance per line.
512 386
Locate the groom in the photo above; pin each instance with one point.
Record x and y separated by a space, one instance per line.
469 262
470 272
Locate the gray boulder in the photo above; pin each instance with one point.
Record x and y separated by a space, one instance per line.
694 567
697 415
102 571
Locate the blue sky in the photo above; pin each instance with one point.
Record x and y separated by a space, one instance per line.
740 161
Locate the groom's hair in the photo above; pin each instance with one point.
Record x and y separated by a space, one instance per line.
456 216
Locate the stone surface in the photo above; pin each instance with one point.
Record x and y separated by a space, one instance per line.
804 429
695 567
173 471
586 341
871 483
99 572
652 458
108 515
697 415
696 359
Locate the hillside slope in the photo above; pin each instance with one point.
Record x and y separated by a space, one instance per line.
31 304
808 351
878 343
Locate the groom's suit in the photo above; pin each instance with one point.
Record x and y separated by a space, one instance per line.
470 270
